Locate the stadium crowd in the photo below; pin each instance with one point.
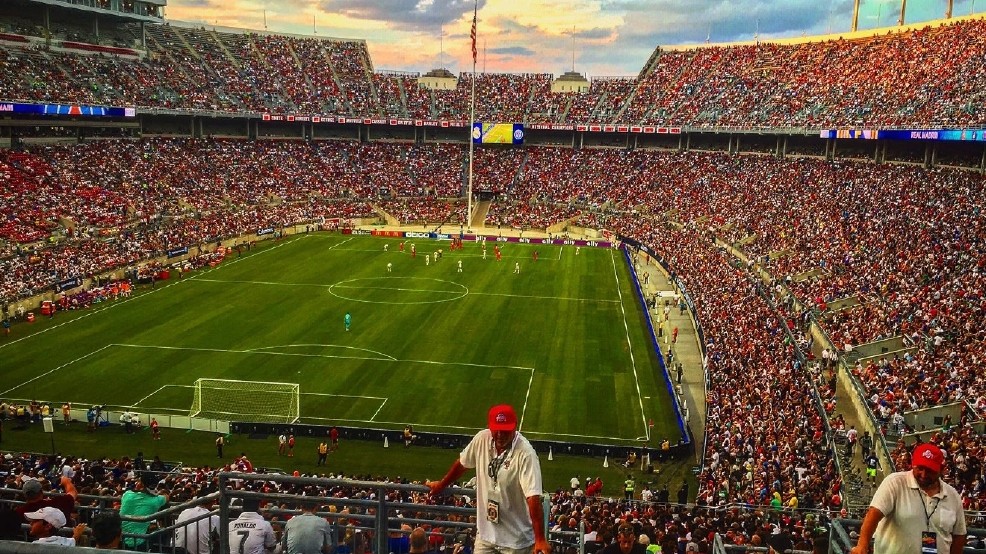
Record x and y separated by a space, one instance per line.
81 488
758 85
915 270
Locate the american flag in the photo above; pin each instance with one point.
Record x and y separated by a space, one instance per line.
473 32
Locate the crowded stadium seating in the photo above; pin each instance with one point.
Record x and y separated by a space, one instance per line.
906 241
760 85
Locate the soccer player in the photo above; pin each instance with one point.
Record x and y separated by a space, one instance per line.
516 267
155 429
390 267
460 266
386 247
484 250
427 260
348 320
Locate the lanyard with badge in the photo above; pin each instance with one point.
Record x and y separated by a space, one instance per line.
929 538
493 494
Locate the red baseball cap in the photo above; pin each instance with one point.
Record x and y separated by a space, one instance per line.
502 418
929 456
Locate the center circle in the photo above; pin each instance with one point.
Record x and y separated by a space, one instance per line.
403 290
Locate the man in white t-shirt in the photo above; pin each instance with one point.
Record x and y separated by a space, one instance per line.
510 519
251 533
202 530
915 511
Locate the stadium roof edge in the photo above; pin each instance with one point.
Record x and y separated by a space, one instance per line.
242 31
848 35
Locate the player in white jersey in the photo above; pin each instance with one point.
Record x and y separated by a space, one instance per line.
251 533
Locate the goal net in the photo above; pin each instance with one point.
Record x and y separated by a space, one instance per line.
233 400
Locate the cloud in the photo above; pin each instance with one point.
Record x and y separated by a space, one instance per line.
406 15
595 33
512 51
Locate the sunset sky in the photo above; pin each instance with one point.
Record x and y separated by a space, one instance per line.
607 37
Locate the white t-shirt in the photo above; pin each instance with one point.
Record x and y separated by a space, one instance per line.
906 509
251 534
519 477
195 537
56 540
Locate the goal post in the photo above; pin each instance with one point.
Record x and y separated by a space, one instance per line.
235 400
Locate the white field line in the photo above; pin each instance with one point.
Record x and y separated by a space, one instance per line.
91 312
633 361
49 372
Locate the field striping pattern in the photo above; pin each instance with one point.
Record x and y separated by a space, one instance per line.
564 340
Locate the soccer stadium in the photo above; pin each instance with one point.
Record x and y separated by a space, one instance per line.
738 287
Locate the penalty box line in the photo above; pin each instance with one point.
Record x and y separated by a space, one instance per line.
330 356
138 403
383 358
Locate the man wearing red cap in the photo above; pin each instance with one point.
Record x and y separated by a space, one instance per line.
915 511
510 519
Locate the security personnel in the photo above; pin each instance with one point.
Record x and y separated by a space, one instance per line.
628 486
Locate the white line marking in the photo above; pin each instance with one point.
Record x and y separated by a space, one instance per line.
343 286
321 345
343 395
66 364
633 361
334 246
137 403
399 289
264 353
544 297
247 282
523 410
116 303
261 353
528 432
374 416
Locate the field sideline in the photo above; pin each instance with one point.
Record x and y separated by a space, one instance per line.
565 340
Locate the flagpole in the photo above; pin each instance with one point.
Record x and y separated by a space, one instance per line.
472 118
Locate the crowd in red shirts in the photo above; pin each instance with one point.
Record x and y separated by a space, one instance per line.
922 77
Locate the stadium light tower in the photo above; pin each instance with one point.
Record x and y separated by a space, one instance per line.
948 10
855 15
903 8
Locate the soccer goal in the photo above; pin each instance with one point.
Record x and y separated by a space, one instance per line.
233 400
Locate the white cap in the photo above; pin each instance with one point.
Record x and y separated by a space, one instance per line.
54 516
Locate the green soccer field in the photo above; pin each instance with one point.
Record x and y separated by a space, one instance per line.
565 340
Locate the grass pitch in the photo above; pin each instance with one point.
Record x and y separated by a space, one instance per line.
565 340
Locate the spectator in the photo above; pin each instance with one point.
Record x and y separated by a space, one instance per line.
142 501
35 499
201 534
45 524
308 533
